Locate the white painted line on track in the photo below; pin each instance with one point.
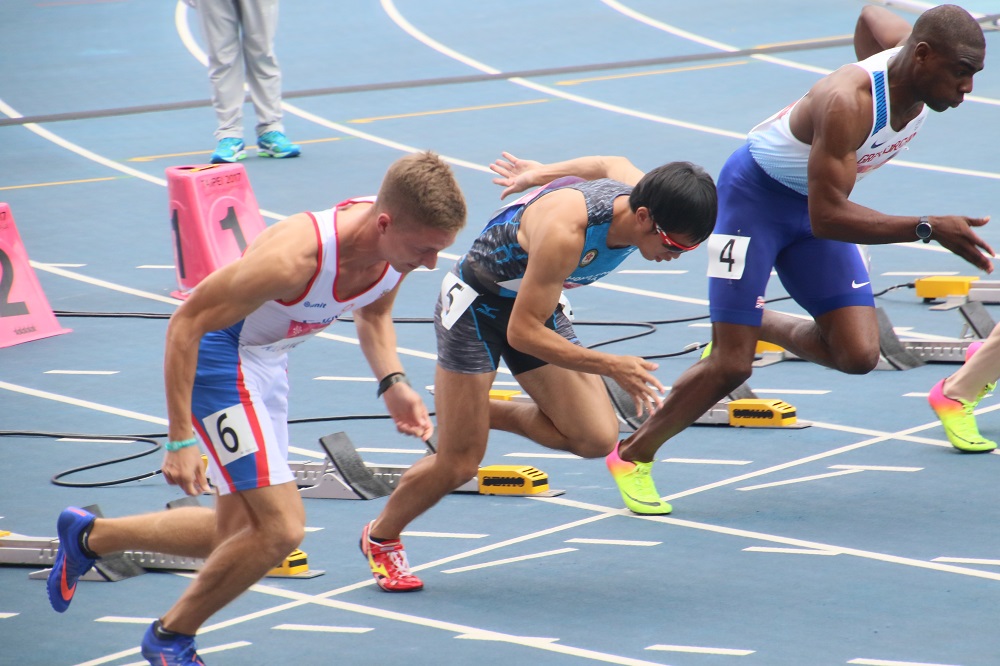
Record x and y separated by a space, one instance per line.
614 542
521 640
6 616
701 650
886 662
967 560
89 440
510 560
444 535
81 372
323 628
375 449
554 456
801 479
877 468
705 461
789 551
126 620
327 378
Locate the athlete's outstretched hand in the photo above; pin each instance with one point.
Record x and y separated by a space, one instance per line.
634 375
515 173
408 411
185 468
955 233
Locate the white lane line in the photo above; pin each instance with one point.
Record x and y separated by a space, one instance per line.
793 391
917 273
877 468
789 551
81 372
5 616
701 650
126 620
323 628
50 268
614 542
375 449
886 662
706 461
444 535
306 452
555 456
510 560
801 479
164 267
325 378
82 403
967 560
521 640
91 440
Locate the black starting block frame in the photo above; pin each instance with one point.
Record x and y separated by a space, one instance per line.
345 475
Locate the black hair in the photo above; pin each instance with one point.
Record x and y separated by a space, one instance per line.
947 26
681 198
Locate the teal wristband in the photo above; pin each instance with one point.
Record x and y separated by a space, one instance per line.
174 446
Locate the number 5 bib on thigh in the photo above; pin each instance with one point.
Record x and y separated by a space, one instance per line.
231 434
456 297
727 256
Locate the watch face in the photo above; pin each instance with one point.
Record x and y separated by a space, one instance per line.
923 229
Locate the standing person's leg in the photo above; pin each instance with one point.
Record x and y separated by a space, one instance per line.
263 75
260 24
220 24
462 406
955 398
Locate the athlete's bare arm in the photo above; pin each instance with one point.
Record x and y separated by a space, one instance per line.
878 29
517 175
378 343
553 229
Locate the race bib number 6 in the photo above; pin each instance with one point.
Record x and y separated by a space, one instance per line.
727 256
231 434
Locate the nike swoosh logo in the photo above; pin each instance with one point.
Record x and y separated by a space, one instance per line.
639 501
857 285
64 589
877 145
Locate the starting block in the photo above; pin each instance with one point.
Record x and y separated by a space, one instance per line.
345 475
213 218
20 550
743 409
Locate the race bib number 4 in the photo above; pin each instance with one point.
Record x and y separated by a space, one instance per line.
727 256
456 297
231 434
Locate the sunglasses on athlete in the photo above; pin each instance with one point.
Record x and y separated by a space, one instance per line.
668 242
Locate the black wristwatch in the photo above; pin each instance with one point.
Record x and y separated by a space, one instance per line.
924 229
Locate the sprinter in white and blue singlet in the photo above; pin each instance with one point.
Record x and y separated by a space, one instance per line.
226 379
504 301
784 205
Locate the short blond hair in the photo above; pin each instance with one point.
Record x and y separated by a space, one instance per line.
420 189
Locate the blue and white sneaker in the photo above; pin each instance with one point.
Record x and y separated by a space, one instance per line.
229 150
71 562
276 144
166 648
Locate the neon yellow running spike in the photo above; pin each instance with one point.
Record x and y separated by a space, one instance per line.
636 485
959 421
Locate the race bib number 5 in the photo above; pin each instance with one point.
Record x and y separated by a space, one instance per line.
456 297
727 256
231 434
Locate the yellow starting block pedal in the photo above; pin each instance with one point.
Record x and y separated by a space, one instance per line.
761 412
514 480
296 565
504 394
943 286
